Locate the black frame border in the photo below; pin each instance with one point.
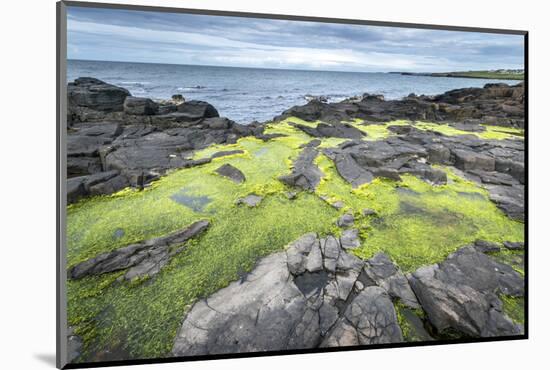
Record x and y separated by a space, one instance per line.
61 299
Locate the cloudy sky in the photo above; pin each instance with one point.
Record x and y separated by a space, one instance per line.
154 37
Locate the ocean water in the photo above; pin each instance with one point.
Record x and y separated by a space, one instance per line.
249 94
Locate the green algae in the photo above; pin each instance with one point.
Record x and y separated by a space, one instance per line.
491 132
415 224
514 307
141 318
411 322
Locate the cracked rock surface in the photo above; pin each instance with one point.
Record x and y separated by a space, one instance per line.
305 173
462 293
315 294
304 297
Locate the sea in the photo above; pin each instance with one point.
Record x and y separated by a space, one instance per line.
245 95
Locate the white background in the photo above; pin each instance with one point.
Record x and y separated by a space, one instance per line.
27 182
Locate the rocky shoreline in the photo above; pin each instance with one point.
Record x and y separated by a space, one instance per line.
319 291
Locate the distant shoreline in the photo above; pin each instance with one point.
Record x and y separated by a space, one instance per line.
488 75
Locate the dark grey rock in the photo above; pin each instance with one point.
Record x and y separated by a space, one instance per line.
369 319
251 200
342 130
195 109
484 246
233 173
140 106
338 204
225 153
296 299
369 212
346 220
381 270
95 94
350 239
141 259
305 173
513 246
469 160
460 293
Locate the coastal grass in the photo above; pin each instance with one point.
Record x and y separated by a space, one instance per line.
415 224
486 74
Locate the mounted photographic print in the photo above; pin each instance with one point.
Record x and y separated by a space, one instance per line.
235 184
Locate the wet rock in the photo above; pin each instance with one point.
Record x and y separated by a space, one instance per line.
484 246
195 109
460 293
342 130
469 160
140 106
345 220
311 144
350 239
95 94
369 319
291 300
142 259
385 274
348 168
439 154
178 98
251 200
305 173
225 153
510 199
233 173
513 246
464 108
369 212
97 184
338 204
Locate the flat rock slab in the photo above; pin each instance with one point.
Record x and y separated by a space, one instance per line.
384 273
299 298
461 293
251 200
335 129
233 173
305 173
141 259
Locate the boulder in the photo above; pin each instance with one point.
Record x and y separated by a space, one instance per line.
461 293
195 109
95 94
140 106
469 160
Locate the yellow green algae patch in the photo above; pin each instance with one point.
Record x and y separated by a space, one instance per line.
417 223
490 133
514 307
140 319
